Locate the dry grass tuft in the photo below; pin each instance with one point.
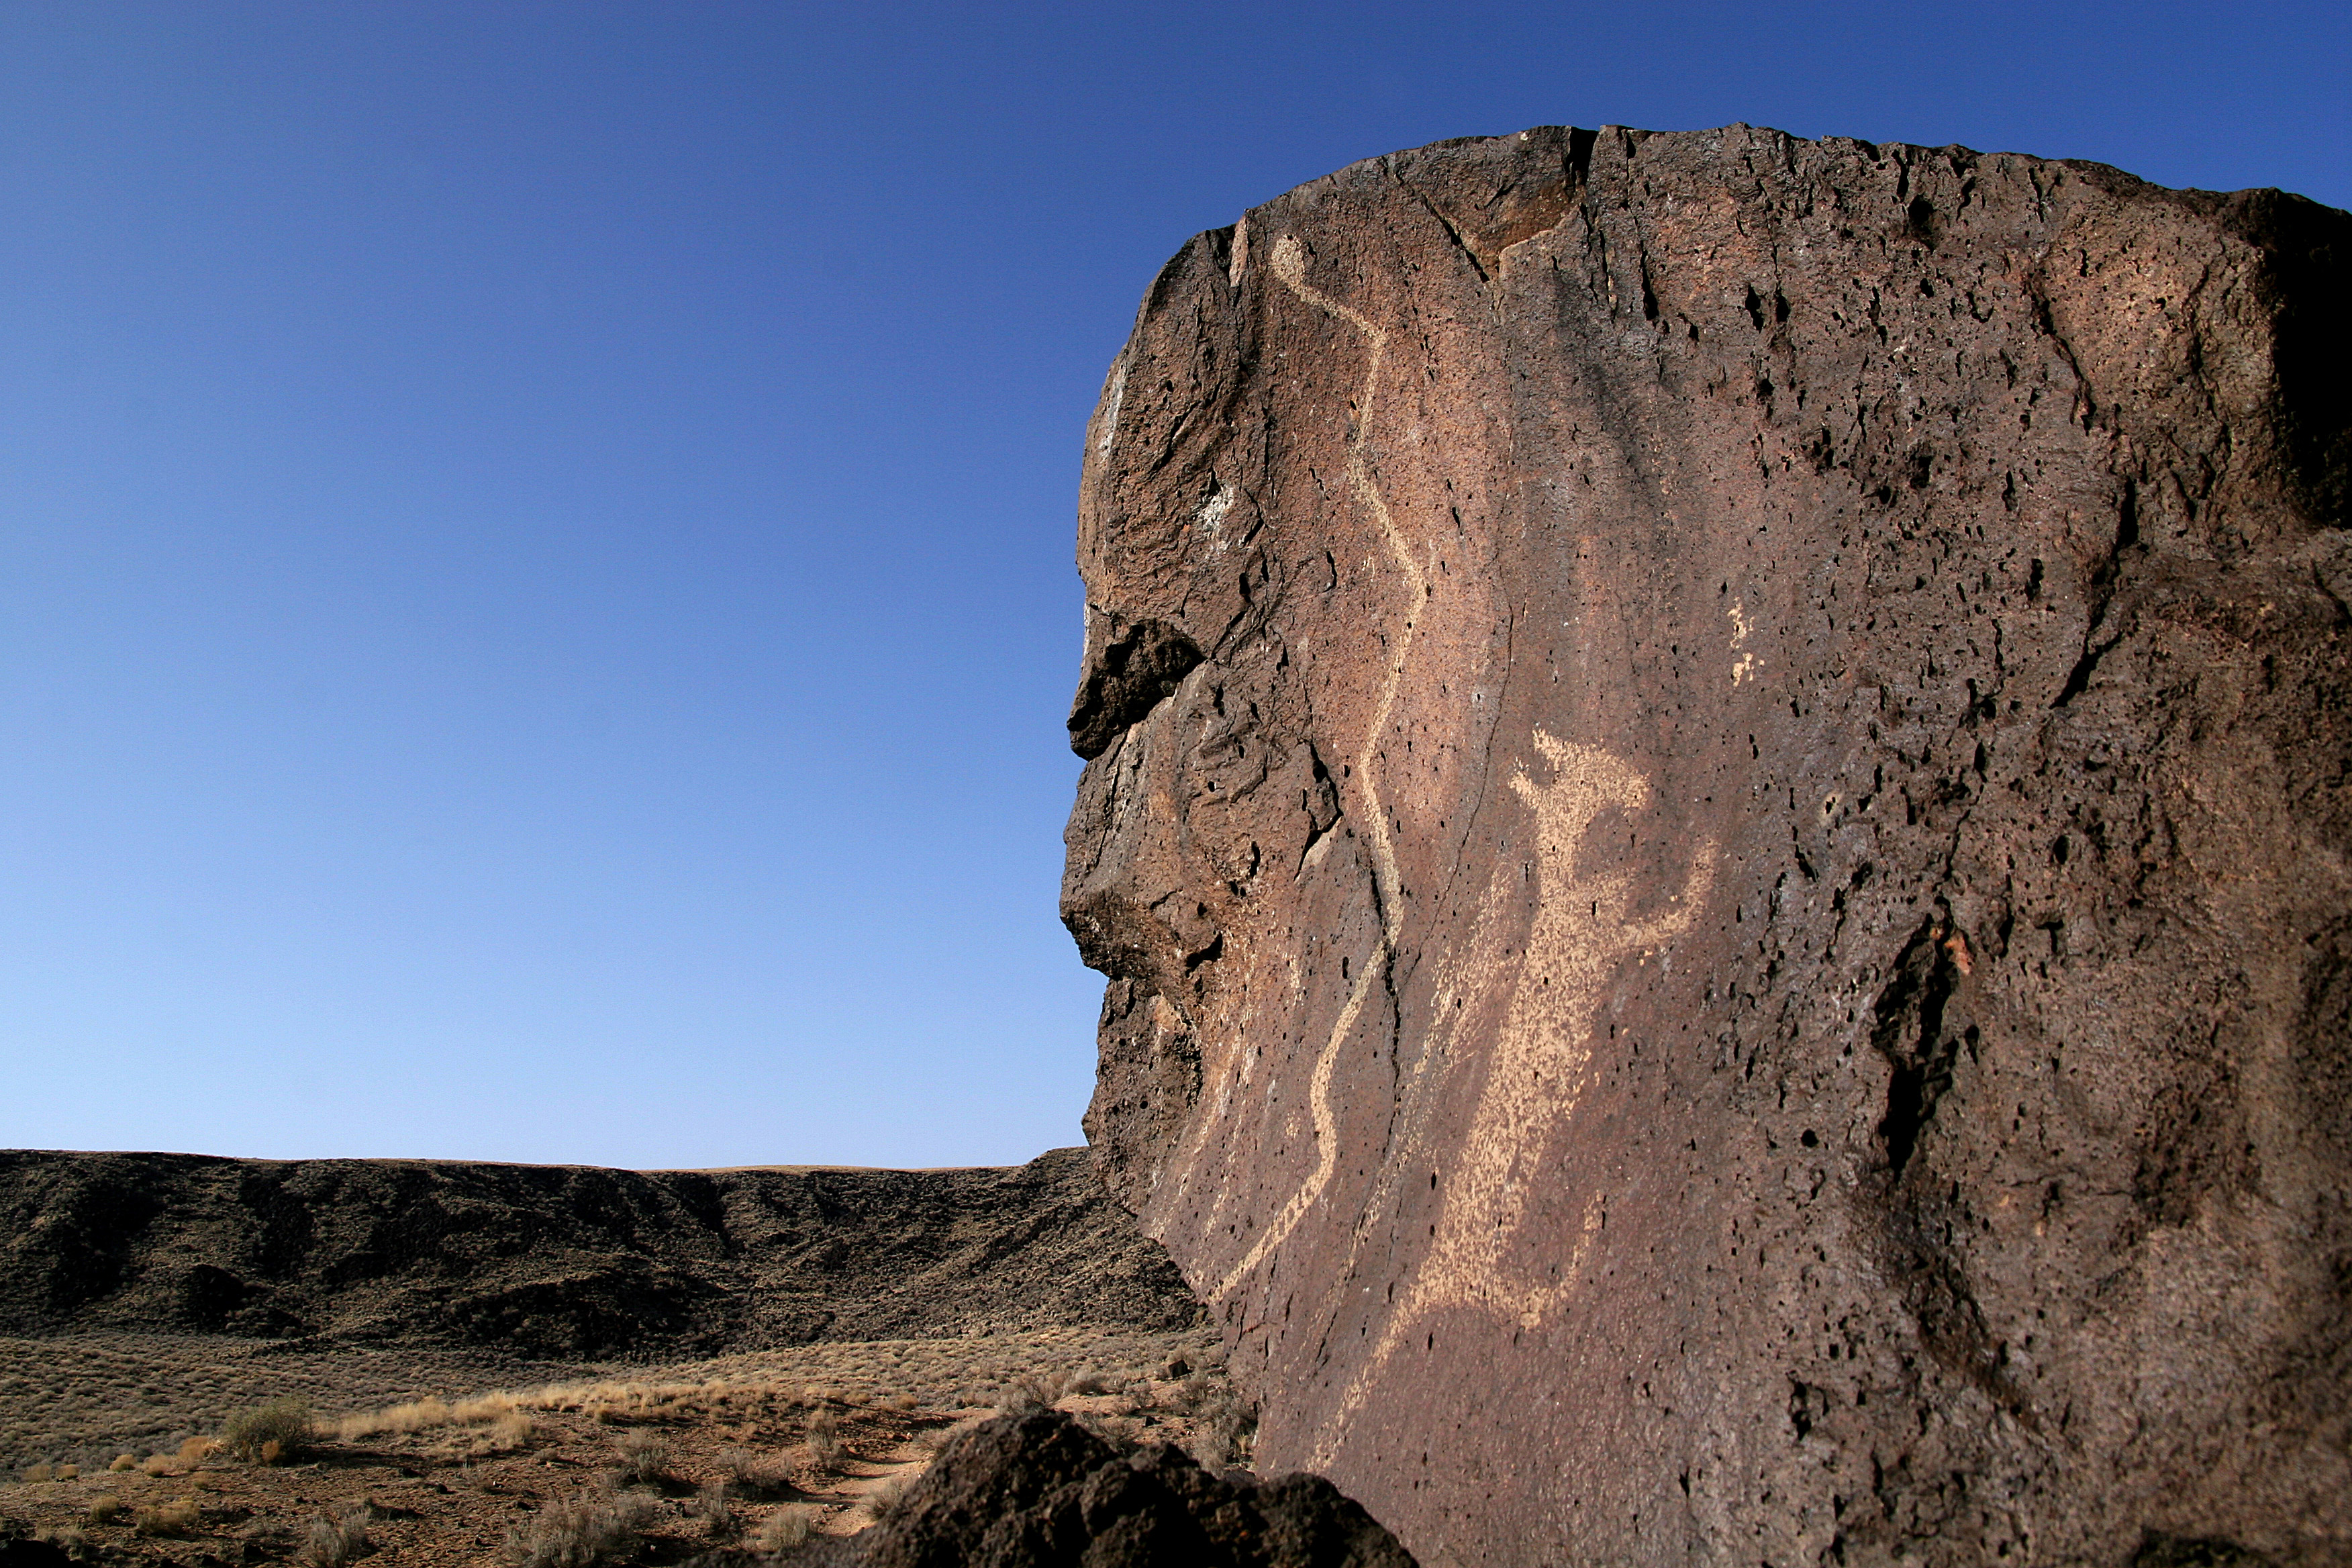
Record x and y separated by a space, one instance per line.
416 1416
485 1408
508 1431
104 1509
176 1517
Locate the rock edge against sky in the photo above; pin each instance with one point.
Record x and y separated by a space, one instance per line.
1718 821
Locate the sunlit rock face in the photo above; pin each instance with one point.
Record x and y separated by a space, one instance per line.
1718 823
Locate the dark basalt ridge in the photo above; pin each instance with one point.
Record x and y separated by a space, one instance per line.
1739 946
566 1261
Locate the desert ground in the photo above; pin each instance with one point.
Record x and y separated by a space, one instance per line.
401 1328
761 1455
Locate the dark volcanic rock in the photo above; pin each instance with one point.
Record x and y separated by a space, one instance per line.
19 1548
1040 1491
566 1261
1739 946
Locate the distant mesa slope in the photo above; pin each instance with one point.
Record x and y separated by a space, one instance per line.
566 1262
1717 816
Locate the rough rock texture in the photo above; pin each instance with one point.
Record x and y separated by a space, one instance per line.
1040 1491
566 1261
1738 948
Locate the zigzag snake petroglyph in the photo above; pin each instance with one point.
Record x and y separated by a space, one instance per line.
1583 927
1288 264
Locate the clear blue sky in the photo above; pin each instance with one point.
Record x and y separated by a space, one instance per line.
535 594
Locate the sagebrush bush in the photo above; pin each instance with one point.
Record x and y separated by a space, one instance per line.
1225 1430
756 1474
786 1529
595 1530
334 1540
824 1441
268 1433
716 1509
646 1457
1031 1391
887 1498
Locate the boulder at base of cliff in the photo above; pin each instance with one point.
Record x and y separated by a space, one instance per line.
1041 1491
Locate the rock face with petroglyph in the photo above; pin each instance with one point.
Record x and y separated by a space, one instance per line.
1717 818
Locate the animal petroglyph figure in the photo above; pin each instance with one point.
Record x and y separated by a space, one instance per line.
1582 929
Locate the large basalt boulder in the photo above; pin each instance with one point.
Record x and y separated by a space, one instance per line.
1041 1491
1719 826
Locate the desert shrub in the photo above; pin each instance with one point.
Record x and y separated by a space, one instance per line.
757 1475
716 1511
887 1498
196 1450
1224 1432
593 1530
177 1517
1119 1431
124 1462
333 1541
104 1509
158 1465
1194 1392
646 1457
38 1473
1030 1391
268 1433
824 1441
786 1529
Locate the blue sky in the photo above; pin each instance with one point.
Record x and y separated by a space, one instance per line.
535 593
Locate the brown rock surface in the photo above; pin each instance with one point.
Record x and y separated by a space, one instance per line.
1718 822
